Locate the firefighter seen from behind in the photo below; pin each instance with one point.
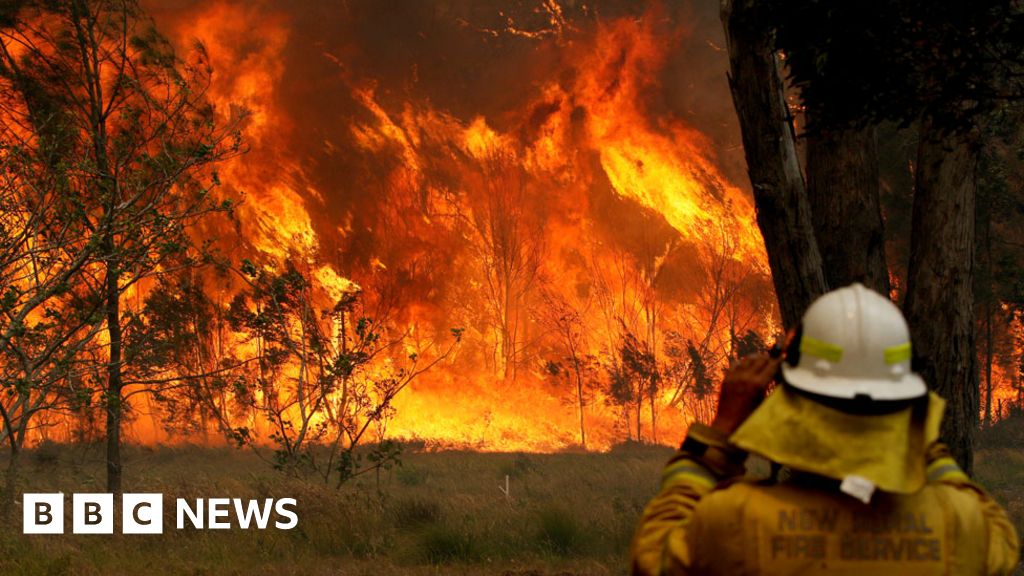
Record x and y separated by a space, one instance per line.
865 485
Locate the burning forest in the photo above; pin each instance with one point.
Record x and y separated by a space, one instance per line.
544 255
556 229
492 226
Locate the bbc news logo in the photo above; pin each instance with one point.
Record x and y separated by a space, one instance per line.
144 513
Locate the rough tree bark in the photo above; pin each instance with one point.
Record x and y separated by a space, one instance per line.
842 189
783 211
940 302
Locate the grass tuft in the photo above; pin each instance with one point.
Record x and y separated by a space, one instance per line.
444 544
559 532
46 454
415 512
411 476
1006 433
520 465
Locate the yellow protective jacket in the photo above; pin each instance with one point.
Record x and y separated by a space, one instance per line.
699 524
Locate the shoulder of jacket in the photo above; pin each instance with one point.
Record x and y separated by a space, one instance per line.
732 491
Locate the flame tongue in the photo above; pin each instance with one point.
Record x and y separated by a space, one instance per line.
420 201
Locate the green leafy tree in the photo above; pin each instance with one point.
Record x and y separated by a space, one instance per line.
640 370
126 132
565 321
192 365
326 378
47 323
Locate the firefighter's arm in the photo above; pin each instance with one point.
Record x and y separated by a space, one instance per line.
1003 542
660 544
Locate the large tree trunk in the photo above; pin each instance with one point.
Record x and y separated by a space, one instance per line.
842 188
783 213
940 303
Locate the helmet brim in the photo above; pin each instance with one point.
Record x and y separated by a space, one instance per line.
906 387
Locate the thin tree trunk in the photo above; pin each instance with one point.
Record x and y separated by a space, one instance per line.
11 482
651 310
985 218
842 189
783 212
654 415
580 399
988 362
639 409
940 303
114 382
583 428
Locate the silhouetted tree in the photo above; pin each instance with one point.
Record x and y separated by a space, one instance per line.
939 66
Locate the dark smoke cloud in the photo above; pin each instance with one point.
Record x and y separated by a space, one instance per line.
460 57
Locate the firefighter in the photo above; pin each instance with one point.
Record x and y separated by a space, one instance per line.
865 487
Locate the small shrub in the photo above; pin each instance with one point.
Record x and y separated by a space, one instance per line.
411 476
415 512
559 532
636 449
520 465
1005 433
442 544
46 454
413 445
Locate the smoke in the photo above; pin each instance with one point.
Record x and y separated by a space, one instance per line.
467 59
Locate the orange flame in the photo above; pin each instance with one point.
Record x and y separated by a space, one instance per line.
587 168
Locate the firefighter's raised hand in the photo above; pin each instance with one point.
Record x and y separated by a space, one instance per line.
743 390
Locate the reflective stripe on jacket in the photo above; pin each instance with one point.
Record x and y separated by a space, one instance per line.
806 526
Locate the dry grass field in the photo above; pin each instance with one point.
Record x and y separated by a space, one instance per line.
438 513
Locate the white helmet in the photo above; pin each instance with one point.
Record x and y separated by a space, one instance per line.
854 342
